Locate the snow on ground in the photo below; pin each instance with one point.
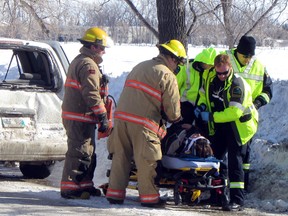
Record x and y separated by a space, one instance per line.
270 147
269 177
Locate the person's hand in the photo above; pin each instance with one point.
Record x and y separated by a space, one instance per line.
104 126
104 79
259 102
103 123
206 116
198 110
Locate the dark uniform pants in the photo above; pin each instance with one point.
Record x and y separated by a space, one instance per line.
246 166
128 142
80 162
222 142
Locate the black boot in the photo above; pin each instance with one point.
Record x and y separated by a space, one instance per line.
75 194
160 204
233 207
115 201
93 191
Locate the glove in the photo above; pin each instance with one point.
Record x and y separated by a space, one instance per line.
257 104
104 80
206 116
199 109
103 123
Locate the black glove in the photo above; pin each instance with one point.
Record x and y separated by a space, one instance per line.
259 102
104 80
103 123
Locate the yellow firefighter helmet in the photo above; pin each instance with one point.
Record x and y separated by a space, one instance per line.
176 48
95 35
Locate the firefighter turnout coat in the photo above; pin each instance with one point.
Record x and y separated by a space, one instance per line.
81 105
150 94
82 101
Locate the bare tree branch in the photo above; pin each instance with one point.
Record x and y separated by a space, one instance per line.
195 16
139 15
193 20
262 16
43 27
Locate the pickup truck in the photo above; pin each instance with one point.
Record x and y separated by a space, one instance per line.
32 76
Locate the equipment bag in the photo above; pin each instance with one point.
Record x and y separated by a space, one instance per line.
110 108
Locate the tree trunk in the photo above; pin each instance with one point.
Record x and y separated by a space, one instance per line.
227 7
171 20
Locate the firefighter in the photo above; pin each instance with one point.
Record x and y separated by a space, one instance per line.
189 81
82 108
150 97
246 65
232 119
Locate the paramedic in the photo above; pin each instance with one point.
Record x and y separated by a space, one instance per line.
232 119
82 108
190 80
150 95
245 64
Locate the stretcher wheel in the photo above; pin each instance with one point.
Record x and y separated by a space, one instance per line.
195 202
195 198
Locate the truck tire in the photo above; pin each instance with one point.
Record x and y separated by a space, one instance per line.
36 170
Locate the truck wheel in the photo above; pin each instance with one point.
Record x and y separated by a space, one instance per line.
36 170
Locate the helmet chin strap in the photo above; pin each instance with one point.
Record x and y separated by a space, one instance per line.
177 70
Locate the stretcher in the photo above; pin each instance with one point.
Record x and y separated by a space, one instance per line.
188 177
188 167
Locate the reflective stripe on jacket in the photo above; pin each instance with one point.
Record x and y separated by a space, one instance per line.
150 89
255 75
242 115
188 80
145 122
82 100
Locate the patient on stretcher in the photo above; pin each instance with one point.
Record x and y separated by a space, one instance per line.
187 148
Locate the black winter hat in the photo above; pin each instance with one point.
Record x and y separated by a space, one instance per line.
247 45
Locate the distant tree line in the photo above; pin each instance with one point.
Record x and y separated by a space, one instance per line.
198 22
